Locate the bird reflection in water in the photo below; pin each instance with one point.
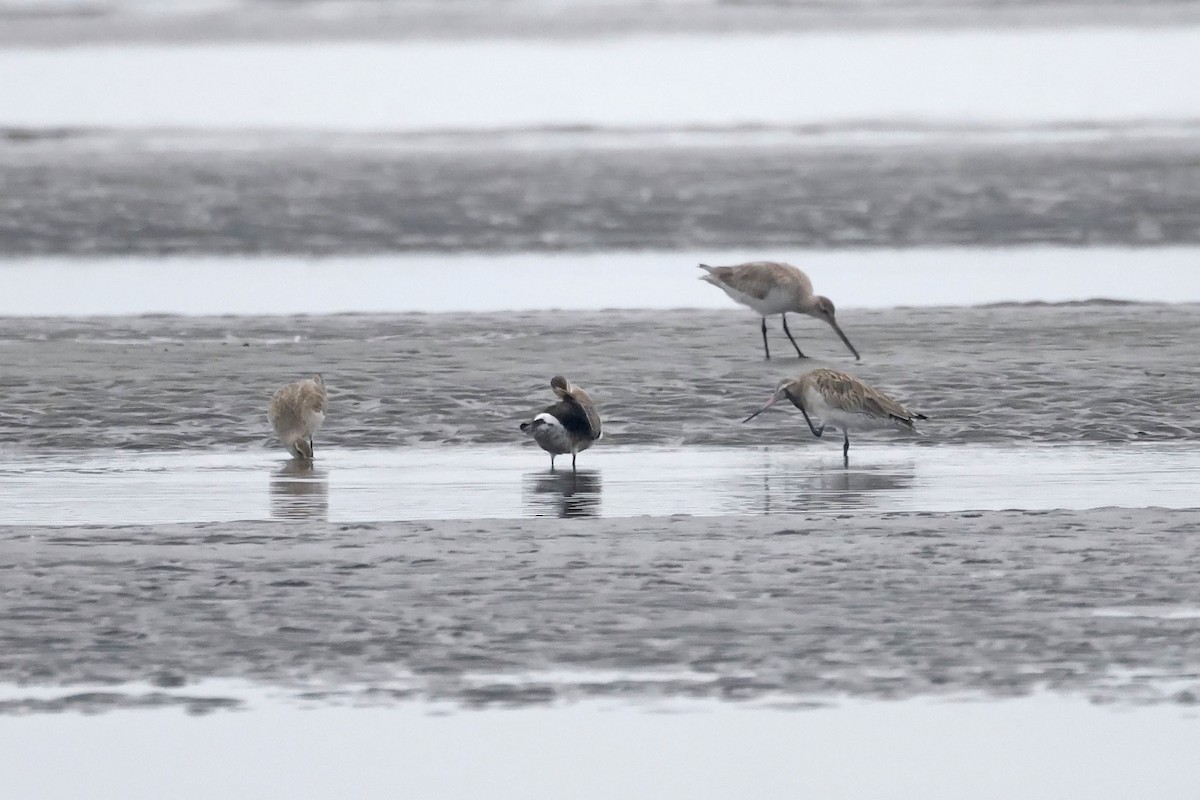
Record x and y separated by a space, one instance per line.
299 491
563 494
824 488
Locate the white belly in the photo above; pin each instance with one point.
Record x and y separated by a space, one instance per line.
297 427
313 420
777 300
552 436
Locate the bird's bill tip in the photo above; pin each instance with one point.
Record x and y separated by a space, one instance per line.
846 341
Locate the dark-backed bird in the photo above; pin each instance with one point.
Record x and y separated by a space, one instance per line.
297 412
769 288
568 426
842 402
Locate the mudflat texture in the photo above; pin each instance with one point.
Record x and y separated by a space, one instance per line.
1104 602
1006 374
126 193
55 22
794 608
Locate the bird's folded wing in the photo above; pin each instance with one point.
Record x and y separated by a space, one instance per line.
582 403
881 406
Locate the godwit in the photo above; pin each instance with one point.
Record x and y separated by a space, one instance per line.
296 412
568 426
841 401
771 288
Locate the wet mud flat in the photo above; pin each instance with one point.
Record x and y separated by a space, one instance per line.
1011 375
1102 603
55 25
111 192
764 599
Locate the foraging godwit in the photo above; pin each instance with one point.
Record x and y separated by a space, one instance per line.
296 412
841 401
770 288
568 426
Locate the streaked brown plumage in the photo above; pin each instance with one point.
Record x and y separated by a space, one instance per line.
841 401
296 412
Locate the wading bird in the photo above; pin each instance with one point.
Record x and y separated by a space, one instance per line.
770 288
568 426
296 412
842 402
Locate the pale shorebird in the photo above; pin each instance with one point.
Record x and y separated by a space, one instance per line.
769 288
842 402
568 426
296 412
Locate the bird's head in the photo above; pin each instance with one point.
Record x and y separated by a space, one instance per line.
823 309
560 385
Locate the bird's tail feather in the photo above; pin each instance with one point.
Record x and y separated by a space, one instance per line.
907 422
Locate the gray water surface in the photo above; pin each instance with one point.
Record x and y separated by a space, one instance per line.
86 488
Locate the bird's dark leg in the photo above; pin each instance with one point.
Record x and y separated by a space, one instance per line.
573 454
846 448
552 462
789 335
815 431
766 349
312 449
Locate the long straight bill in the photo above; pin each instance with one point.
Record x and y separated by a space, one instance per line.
774 399
838 330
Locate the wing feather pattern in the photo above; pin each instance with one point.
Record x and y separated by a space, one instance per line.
849 394
583 406
575 409
757 278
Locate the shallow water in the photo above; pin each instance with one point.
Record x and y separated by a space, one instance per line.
1033 75
665 280
601 750
489 482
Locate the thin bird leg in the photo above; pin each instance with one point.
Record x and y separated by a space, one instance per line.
766 349
846 448
789 335
552 462
312 450
815 431
573 454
